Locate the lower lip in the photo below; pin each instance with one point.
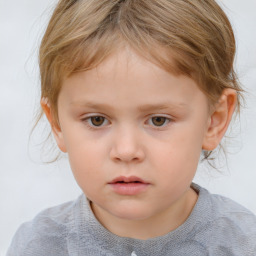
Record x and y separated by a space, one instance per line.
129 188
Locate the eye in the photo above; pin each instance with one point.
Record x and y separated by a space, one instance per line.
159 121
97 120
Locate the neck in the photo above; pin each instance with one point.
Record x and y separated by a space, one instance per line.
155 226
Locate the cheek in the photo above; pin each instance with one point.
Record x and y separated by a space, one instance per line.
178 156
86 161
82 147
86 172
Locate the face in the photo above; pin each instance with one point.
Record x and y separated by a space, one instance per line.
133 134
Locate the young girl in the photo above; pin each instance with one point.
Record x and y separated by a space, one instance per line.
135 92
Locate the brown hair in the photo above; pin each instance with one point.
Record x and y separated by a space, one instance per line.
195 33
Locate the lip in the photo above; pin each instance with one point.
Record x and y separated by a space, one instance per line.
128 180
129 185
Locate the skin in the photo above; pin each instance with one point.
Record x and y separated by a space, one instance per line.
152 125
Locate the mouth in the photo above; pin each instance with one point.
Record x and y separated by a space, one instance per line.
129 185
127 180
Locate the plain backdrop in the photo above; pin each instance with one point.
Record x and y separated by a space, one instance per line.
27 185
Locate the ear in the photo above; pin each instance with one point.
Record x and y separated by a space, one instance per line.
220 119
56 130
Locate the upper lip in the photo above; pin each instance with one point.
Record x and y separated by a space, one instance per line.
128 179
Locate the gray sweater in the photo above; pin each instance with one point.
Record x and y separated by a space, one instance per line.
217 226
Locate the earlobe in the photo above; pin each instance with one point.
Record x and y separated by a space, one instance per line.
220 119
56 130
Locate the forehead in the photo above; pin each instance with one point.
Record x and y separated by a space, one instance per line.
126 77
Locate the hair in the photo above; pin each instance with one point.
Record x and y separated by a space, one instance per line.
185 37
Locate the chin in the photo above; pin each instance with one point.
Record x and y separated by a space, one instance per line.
131 214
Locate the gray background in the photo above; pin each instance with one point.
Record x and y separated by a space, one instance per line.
28 186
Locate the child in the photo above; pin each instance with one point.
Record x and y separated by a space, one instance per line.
135 91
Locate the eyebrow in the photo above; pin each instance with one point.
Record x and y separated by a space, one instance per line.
148 107
91 105
143 108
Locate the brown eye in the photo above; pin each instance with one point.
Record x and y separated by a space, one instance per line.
159 120
97 120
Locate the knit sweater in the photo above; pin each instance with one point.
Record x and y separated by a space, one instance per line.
217 226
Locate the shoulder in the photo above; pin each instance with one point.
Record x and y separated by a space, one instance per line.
233 214
228 225
47 233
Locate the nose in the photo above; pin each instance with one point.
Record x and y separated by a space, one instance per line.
127 146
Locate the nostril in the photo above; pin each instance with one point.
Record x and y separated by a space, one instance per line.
126 153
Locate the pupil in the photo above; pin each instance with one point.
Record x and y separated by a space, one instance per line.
158 121
97 120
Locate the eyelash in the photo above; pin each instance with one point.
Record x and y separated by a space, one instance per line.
167 120
88 121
